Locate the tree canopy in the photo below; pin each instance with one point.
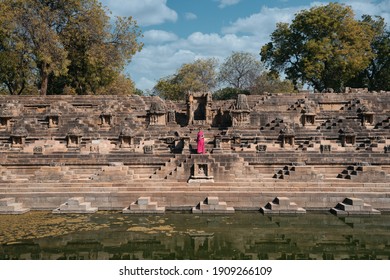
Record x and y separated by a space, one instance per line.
323 46
200 75
240 69
377 75
63 43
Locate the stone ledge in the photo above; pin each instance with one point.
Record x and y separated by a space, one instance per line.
8 206
353 206
281 205
75 205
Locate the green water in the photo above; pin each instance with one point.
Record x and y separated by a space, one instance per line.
244 235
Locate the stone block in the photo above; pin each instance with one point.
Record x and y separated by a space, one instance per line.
282 201
353 201
212 200
74 201
143 200
7 201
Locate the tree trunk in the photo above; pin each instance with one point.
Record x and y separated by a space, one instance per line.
44 79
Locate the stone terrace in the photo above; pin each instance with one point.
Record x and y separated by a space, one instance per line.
315 149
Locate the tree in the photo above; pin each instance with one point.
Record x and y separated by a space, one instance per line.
229 93
63 39
270 82
239 70
121 85
324 47
199 75
168 88
377 75
100 51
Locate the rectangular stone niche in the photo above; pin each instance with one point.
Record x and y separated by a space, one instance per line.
201 173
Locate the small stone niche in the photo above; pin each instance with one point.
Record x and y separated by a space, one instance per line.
288 137
18 137
74 137
106 118
5 122
309 119
201 172
348 137
126 139
368 118
157 112
143 205
53 121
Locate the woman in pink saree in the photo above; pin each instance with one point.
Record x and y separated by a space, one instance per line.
200 141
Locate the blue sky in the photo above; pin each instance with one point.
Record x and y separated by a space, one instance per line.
180 31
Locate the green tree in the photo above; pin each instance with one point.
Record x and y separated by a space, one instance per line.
239 70
100 51
55 41
199 75
270 82
324 47
377 75
169 88
229 93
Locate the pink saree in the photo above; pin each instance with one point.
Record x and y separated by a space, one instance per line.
200 141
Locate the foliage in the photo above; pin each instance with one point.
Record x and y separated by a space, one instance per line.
168 88
64 43
240 70
324 47
121 85
377 75
270 82
200 75
228 93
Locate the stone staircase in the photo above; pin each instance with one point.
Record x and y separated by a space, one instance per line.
75 205
282 205
143 205
353 206
212 205
284 173
350 172
10 206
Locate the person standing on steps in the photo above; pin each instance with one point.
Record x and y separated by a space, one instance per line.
200 141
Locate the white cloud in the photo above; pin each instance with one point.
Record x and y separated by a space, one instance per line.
190 16
146 12
156 61
262 23
370 8
225 3
165 52
158 36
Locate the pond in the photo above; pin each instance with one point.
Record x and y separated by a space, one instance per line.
239 236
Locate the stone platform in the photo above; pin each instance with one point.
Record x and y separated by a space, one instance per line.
212 205
315 149
75 205
10 206
143 205
282 205
353 206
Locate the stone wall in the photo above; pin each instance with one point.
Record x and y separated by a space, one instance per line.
316 149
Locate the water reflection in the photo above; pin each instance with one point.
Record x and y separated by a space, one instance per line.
111 235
